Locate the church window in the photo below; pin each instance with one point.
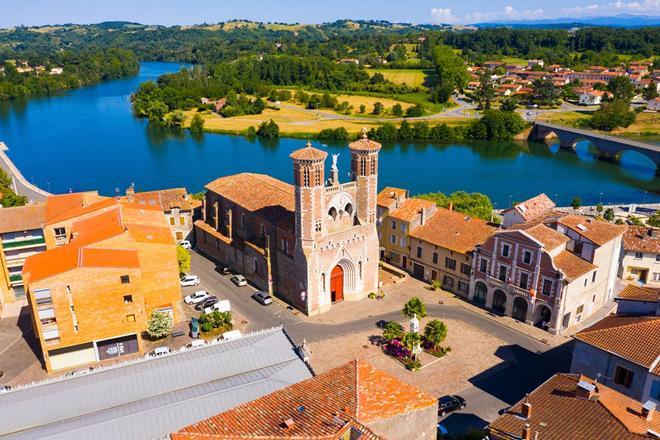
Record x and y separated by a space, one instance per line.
373 166
363 166
306 176
332 213
317 177
349 209
318 226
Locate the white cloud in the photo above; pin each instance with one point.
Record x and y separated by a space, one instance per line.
650 7
443 15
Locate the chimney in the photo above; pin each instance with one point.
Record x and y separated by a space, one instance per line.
526 408
422 217
451 206
130 192
288 423
648 409
585 390
526 432
654 233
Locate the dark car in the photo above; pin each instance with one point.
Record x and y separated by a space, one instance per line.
262 298
222 269
447 404
208 302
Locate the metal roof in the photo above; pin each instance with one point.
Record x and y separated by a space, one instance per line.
152 398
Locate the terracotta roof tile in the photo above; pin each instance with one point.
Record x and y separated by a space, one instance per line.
595 230
365 144
410 208
638 293
66 206
322 407
559 414
548 217
640 239
387 196
454 231
166 199
530 209
634 338
308 153
550 238
22 218
265 196
572 265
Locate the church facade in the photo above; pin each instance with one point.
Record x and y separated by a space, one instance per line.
313 243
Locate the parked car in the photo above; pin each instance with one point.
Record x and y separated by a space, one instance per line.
239 280
185 244
447 404
5 389
159 351
75 373
189 280
262 297
222 269
208 302
220 306
196 297
229 336
195 344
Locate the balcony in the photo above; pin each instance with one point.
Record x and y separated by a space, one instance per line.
14 278
509 288
23 243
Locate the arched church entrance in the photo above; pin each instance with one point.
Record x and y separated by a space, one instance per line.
337 284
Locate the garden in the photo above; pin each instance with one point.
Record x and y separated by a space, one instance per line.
407 347
215 324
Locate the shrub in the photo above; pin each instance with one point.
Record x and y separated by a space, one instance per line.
197 124
436 284
435 332
395 349
392 330
183 259
207 327
268 129
159 325
412 364
414 306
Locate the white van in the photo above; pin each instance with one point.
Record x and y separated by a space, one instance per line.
231 335
220 306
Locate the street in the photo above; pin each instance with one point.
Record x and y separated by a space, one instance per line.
494 389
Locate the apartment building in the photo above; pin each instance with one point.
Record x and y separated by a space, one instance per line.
21 235
622 352
574 406
640 258
442 247
180 209
552 273
92 293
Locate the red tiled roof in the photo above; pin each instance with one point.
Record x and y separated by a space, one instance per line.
634 338
572 265
65 206
637 293
557 413
351 395
166 199
22 218
263 195
454 231
549 238
530 209
595 230
410 208
388 194
365 144
308 153
639 239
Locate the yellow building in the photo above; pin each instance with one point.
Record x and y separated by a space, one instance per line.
91 295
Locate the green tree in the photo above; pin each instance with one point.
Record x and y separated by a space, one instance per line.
269 130
486 91
621 88
609 214
378 108
363 108
397 110
415 111
197 124
452 73
405 131
599 207
435 332
650 92
544 92
159 324
509 105
414 306
612 115
183 259
496 125
635 221
411 340
476 205
654 220
392 330
576 202
176 119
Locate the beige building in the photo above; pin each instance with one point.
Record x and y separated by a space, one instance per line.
313 243
21 235
640 259
179 207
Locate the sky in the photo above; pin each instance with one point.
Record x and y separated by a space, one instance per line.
173 12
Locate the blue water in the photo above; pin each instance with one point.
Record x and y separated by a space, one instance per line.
88 139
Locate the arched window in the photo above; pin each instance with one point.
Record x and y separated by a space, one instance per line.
323 282
332 213
348 209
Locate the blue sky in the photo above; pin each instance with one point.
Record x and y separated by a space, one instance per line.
170 12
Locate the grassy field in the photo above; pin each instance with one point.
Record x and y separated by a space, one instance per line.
357 99
411 77
646 124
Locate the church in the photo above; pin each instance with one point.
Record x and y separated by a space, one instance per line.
311 244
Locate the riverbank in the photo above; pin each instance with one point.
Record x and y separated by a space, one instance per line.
647 124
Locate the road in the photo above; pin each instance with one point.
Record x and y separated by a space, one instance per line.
526 362
21 185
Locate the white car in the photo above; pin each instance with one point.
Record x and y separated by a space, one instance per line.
159 351
196 297
239 280
185 244
220 306
228 336
189 280
195 343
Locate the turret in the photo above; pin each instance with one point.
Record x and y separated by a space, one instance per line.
308 174
364 171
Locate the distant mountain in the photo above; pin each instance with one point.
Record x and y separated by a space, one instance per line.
624 20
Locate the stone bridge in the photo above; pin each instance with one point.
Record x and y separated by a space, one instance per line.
609 147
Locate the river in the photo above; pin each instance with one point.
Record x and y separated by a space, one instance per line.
88 139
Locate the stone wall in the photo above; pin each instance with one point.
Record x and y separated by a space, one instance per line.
417 425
